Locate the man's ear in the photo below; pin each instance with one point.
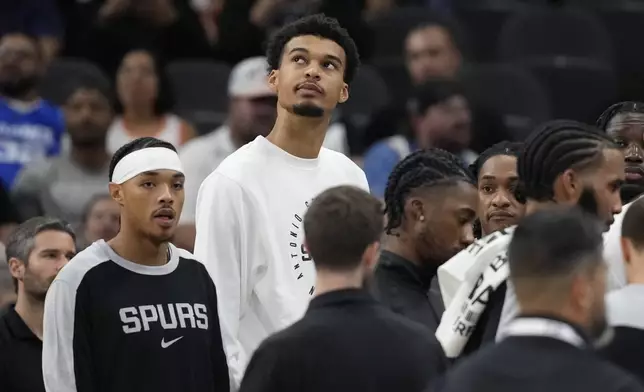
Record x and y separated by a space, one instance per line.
415 209
116 191
567 186
16 268
273 79
627 249
344 93
371 255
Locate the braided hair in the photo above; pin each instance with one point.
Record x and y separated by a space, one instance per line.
621 107
553 148
424 168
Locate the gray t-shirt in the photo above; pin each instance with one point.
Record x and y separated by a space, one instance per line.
58 187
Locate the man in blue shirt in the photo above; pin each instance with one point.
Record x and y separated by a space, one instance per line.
30 128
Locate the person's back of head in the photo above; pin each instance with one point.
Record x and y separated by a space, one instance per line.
342 227
557 267
568 162
632 242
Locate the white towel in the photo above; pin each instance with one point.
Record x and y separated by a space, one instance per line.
466 281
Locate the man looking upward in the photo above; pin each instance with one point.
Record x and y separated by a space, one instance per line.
250 209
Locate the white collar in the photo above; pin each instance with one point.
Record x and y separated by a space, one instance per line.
544 327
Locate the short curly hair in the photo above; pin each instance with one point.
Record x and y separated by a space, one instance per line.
318 25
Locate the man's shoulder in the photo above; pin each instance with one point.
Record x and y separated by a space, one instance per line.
342 164
75 271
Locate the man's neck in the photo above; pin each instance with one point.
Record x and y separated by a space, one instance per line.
90 157
297 135
31 311
401 247
328 281
139 250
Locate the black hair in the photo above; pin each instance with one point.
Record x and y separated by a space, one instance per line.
555 242
621 107
165 97
505 147
424 168
553 148
87 82
135 145
433 92
318 25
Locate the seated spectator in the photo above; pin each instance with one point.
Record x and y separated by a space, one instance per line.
100 221
123 25
30 128
251 113
37 18
435 50
144 104
441 118
62 186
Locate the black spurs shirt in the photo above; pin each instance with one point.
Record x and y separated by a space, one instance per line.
113 325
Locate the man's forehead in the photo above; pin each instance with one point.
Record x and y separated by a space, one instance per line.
316 45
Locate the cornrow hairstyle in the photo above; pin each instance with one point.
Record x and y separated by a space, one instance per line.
621 107
553 148
424 168
502 148
135 145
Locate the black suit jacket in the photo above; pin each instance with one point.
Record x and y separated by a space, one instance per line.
346 342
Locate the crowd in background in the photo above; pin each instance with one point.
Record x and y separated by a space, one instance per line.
81 78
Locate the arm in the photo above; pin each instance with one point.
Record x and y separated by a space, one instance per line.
221 244
66 359
27 188
218 355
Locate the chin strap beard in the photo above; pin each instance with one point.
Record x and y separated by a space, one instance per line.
307 110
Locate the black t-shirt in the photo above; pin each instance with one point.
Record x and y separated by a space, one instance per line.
113 325
20 356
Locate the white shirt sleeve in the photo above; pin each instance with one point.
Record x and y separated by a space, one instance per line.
58 338
226 247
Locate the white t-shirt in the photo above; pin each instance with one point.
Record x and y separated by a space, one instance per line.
201 155
250 237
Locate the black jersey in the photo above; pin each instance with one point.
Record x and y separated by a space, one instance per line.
113 325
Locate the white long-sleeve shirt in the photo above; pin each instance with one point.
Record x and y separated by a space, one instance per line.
250 236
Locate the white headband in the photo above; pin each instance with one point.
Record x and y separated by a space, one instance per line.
145 160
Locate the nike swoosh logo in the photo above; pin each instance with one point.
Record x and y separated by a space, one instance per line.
165 344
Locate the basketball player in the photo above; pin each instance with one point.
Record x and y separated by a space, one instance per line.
136 313
563 162
250 209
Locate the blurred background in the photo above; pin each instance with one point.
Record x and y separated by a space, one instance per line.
80 78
